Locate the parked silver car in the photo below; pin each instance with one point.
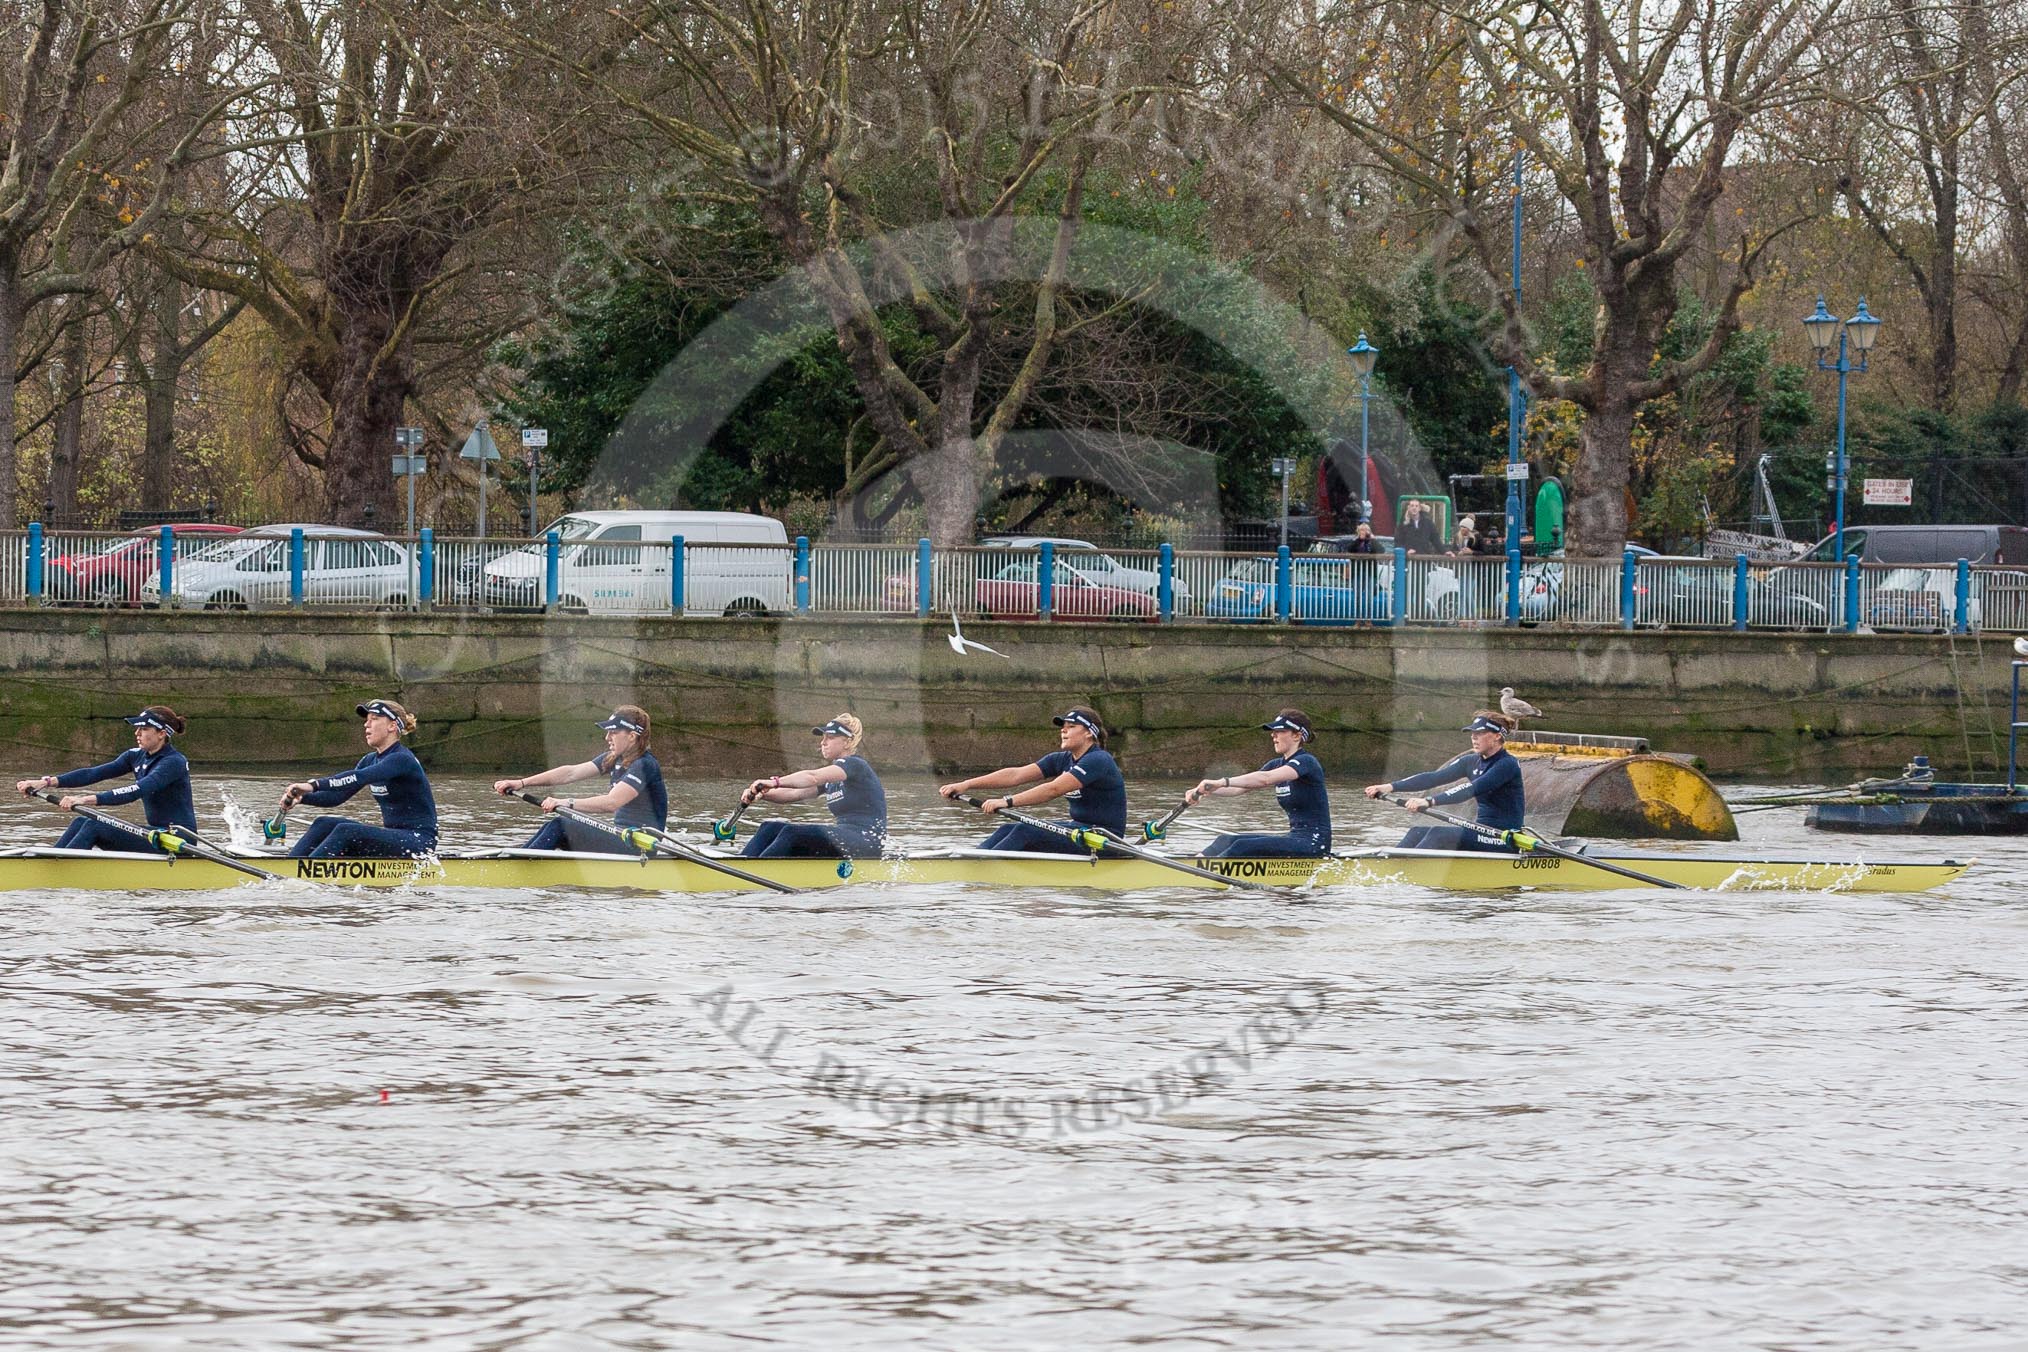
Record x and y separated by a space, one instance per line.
252 571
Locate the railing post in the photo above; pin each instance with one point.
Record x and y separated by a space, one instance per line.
1964 615
296 566
165 562
1514 582
1045 582
802 575
1165 597
1400 586
1742 597
1851 593
676 574
34 578
925 577
1627 565
1285 601
426 568
552 569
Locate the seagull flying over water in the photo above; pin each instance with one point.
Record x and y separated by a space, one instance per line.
959 642
1515 707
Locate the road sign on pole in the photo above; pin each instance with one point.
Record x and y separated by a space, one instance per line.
410 465
534 439
479 446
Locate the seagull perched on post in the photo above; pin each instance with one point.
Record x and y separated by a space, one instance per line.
1515 707
959 642
2021 647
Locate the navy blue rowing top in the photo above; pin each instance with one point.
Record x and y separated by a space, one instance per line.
398 783
650 803
859 803
161 782
1304 797
1494 780
1101 796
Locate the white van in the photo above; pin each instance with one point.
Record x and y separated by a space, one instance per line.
735 563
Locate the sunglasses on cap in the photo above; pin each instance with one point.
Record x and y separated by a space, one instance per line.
1485 725
147 719
619 724
1082 720
378 706
832 729
1281 724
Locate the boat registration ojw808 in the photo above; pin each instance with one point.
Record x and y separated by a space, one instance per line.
96 870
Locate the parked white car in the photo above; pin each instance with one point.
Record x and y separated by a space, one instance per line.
735 563
251 570
1102 568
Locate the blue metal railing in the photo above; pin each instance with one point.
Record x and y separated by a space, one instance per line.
1051 582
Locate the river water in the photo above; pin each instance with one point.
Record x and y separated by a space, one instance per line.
985 1118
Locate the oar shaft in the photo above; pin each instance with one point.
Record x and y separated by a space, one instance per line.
1086 835
674 845
183 845
1530 841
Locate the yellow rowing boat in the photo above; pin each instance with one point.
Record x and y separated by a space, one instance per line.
103 871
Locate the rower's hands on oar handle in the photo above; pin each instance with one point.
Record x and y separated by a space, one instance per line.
551 804
754 792
508 786
955 790
29 787
1203 789
71 800
295 793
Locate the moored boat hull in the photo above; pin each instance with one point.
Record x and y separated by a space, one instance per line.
56 870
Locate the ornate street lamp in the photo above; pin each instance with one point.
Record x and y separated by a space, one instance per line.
1364 355
1856 335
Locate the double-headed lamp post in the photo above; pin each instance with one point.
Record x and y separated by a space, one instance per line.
1364 355
1860 331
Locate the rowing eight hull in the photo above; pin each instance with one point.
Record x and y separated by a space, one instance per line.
51 870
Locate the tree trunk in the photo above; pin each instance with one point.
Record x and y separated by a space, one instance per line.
160 376
66 453
10 340
1597 524
367 396
948 478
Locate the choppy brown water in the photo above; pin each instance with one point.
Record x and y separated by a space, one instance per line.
974 1117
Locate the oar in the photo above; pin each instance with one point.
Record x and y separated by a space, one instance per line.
166 840
722 831
1528 840
1157 830
1096 838
646 838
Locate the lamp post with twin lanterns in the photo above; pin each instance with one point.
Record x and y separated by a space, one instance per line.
1858 332
1364 355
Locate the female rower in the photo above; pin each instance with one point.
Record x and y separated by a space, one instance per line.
161 783
1491 775
638 797
1298 781
1081 770
849 788
408 810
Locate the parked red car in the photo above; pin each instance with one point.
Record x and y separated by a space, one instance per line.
113 576
1011 594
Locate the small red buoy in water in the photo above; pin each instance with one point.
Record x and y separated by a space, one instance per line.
383 1096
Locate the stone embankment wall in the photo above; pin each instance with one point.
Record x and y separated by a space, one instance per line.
738 697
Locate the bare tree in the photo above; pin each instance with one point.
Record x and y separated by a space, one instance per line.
801 110
74 107
1639 111
400 139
